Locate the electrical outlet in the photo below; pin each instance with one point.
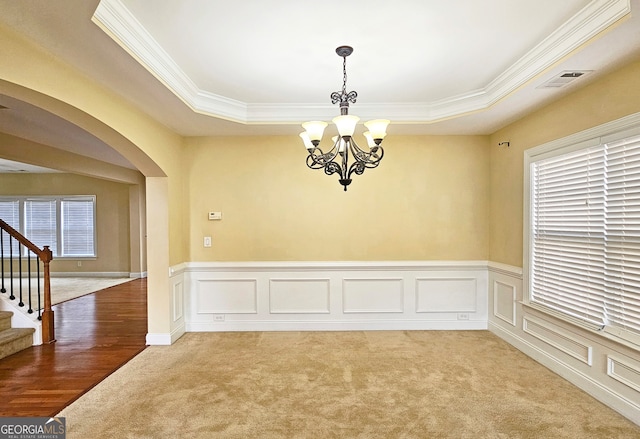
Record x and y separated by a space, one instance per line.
207 241
463 316
218 317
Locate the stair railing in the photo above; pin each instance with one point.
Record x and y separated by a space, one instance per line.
16 274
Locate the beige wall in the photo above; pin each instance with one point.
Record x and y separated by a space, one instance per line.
38 78
112 215
428 200
35 77
607 99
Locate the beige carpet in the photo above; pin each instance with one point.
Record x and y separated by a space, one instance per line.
64 288
377 384
67 288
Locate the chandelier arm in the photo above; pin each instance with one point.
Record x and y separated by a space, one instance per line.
370 159
357 168
317 159
333 168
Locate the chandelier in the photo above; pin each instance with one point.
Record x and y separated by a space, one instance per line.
336 160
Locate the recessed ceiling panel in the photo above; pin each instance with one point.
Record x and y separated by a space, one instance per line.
421 61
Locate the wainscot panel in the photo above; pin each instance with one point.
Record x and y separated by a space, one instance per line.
373 295
299 296
295 296
176 293
607 370
452 295
504 302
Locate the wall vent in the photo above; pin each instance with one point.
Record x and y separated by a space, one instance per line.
564 78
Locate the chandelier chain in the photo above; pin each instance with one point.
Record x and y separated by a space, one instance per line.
344 75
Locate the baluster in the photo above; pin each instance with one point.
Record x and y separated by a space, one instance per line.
30 310
2 288
44 257
12 296
21 275
39 304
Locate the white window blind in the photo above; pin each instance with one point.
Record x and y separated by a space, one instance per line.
568 234
10 214
585 235
623 234
40 223
65 223
77 227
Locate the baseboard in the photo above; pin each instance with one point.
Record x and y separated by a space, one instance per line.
165 339
310 325
607 396
90 274
158 339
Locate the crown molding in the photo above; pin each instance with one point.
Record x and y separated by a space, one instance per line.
118 22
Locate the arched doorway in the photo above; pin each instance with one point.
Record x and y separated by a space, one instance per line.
58 130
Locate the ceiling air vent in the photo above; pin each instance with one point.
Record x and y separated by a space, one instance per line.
564 78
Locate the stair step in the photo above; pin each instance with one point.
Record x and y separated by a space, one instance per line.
14 340
5 320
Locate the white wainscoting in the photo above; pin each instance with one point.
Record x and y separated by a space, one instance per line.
607 370
276 296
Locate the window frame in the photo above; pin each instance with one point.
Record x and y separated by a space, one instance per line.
607 133
58 199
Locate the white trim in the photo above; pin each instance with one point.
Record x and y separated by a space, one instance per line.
118 22
512 321
386 297
607 396
591 375
350 325
509 270
606 129
612 361
316 266
562 334
91 274
165 339
158 339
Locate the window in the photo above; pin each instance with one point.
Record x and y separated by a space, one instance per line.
583 243
77 227
10 214
40 223
65 224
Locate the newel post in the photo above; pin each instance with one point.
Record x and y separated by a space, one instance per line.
48 331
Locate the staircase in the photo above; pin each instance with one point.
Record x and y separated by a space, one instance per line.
25 287
13 340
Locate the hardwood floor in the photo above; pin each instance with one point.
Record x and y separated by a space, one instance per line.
96 334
